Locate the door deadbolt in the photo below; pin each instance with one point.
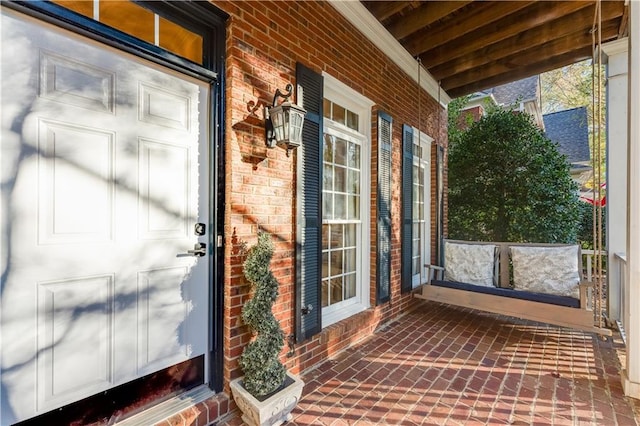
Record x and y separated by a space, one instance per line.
199 229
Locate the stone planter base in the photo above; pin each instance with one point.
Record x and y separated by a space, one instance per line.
274 410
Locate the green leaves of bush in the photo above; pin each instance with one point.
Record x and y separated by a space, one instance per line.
508 182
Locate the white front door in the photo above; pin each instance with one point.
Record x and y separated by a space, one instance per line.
104 177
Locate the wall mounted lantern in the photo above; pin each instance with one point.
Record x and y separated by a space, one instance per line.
284 122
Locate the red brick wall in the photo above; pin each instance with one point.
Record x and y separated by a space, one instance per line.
264 42
472 114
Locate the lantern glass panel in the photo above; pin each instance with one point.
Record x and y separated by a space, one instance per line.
278 122
296 120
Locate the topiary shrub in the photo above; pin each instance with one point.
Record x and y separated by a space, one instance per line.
263 371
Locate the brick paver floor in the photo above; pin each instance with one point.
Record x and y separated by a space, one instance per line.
445 365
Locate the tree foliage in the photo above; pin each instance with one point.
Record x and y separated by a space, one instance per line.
457 121
585 229
508 182
567 87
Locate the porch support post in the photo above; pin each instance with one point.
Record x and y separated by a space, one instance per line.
616 58
631 376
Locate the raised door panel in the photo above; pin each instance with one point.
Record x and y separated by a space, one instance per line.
75 163
162 319
75 330
164 180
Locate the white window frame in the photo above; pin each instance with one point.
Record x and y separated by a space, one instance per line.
425 141
343 95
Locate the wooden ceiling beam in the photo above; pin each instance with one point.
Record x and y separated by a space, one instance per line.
530 57
538 14
460 67
384 9
487 43
556 35
425 15
477 16
519 73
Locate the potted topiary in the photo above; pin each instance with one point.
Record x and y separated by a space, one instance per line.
267 393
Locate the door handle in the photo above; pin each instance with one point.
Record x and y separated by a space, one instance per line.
199 250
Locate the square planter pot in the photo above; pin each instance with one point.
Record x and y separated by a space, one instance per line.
272 411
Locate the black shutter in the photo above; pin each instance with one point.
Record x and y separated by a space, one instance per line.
384 208
407 207
309 206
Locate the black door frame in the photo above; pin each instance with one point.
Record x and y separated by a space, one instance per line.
207 20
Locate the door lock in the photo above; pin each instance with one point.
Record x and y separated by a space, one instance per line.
199 229
199 250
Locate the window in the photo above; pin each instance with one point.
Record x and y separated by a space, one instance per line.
345 202
142 23
421 199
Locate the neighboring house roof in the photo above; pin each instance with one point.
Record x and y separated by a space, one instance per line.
523 94
517 91
570 129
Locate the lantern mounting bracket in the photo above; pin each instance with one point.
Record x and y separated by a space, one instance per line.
285 96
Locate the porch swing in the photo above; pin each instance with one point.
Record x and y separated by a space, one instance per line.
539 282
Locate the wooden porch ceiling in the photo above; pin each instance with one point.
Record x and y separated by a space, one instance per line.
473 45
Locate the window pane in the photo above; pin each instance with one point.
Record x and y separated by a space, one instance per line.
325 265
354 155
325 293
328 148
354 207
352 120
327 178
339 114
350 260
325 236
336 290
327 205
129 18
416 266
350 286
340 206
83 7
340 152
326 108
350 235
340 174
354 182
180 41
337 236
336 262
